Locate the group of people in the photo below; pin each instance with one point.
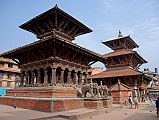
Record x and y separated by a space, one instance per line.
132 101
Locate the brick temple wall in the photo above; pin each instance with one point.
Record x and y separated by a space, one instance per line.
43 93
43 104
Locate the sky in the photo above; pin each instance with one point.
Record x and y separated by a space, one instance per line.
139 18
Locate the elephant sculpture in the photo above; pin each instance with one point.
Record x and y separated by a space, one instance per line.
87 88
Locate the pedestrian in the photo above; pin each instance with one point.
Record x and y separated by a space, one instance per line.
157 105
136 102
130 102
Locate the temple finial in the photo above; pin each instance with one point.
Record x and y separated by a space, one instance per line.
56 6
120 35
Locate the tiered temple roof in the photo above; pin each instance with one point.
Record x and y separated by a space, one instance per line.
56 30
117 73
121 42
55 21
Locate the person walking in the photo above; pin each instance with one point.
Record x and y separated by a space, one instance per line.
157 106
130 102
136 102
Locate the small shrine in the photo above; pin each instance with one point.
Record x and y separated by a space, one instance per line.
120 93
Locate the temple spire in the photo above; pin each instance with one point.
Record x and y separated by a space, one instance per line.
119 34
56 6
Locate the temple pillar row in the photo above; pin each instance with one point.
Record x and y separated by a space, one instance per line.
51 76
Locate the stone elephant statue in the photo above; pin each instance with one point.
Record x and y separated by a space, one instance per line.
104 90
87 88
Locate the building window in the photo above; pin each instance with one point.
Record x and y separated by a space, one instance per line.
1 74
116 61
10 65
8 84
17 76
10 75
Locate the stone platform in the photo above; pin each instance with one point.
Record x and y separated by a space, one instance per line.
44 92
43 104
51 99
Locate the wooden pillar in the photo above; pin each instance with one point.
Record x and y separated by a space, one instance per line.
35 79
85 78
80 79
22 78
75 78
38 77
32 78
45 76
69 77
62 77
27 78
53 79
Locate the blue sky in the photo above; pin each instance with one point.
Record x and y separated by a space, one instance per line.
139 18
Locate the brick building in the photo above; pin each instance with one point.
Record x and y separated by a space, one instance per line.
9 73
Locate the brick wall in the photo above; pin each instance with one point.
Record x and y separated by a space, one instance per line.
43 105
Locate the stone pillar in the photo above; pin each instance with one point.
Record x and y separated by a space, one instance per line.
22 79
80 79
75 78
45 76
27 79
32 78
38 77
69 78
35 79
62 77
53 79
85 78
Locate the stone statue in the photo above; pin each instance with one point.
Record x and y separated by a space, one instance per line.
87 88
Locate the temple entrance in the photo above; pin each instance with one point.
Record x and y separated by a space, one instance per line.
29 77
73 77
35 77
49 73
58 74
79 77
66 75
41 75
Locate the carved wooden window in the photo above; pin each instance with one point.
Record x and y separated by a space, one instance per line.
10 65
116 61
10 75
8 84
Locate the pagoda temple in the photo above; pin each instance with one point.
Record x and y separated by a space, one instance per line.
53 66
123 65
53 58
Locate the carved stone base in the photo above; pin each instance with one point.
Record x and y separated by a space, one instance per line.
96 103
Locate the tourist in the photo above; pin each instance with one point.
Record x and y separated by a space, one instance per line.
136 102
130 102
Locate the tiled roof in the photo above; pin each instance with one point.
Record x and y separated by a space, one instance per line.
10 70
117 53
87 51
7 60
120 86
116 73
